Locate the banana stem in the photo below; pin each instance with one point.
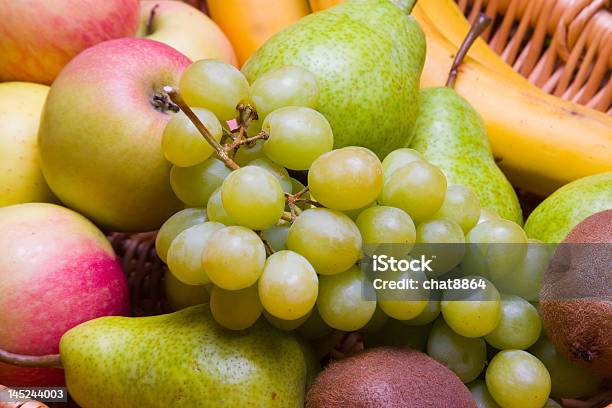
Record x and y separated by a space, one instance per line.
22 360
481 23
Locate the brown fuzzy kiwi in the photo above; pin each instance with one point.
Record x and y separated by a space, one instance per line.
576 295
388 377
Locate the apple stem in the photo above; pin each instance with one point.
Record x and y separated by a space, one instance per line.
151 18
481 23
22 360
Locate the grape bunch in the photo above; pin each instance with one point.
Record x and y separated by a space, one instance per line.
253 240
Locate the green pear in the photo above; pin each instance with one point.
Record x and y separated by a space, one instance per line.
556 216
367 56
183 359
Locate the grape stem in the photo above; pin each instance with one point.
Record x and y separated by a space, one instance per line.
22 360
237 142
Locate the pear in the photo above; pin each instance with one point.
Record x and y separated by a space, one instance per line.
367 56
556 216
183 359
451 134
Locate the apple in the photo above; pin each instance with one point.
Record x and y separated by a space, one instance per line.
21 180
39 37
101 129
57 270
186 29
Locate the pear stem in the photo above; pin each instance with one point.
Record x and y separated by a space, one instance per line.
22 360
481 23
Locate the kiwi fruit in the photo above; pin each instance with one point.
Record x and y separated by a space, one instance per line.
388 377
576 295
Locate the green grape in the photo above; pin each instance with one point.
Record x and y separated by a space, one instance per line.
286 86
417 188
216 86
215 209
465 356
277 171
175 225
460 205
568 379
247 153
346 179
276 237
399 158
494 248
297 136
183 145
253 129
377 321
314 327
180 295
285 325
402 304
341 302
431 311
472 312
185 253
234 258
386 230
296 187
526 279
487 214
353 214
441 241
515 378
396 334
519 326
328 239
481 395
194 185
235 309
288 286
253 197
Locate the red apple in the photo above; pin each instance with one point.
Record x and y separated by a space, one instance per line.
100 134
39 37
56 270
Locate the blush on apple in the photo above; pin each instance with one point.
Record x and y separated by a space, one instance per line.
56 270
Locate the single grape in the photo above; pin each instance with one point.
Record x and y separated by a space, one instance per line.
402 304
568 379
377 321
314 327
286 86
396 334
465 356
276 237
180 295
176 224
346 179
285 325
472 312
183 145
214 85
276 170
341 302
516 378
234 258
288 286
216 211
328 239
194 185
431 311
297 136
235 309
519 326
441 241
398 158
253 197
386 230
417 188
481 395
487 214
460 205
185 253
247 153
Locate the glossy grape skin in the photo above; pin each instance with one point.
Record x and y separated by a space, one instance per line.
276 237
216 211
472 313
175 225
399 158
430 313
519 326
234 258
235 309
403 304
460 205
465 356
353 214
341 302
568 379
276 170
246 154
180 295
253 198
328 239
346 179
314 327
285 86
386 230
183 145
442 241
376 322
195 184
481 395
288 286
487 214
185 253
516 378
417 188
286 325
297 137
216 86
